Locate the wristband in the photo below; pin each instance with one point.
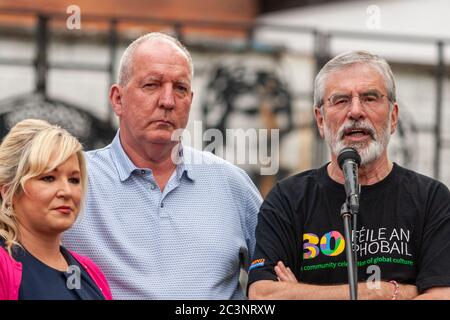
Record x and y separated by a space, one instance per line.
396 290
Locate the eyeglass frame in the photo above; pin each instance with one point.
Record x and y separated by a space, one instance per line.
353 96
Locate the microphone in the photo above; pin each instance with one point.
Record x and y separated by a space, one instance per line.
349 161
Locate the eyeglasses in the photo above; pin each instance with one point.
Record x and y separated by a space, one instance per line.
372 99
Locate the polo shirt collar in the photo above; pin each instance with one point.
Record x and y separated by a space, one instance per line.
125 167
184 166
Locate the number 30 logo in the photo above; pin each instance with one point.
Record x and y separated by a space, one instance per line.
311 242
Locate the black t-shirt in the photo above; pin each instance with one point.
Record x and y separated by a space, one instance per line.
403 230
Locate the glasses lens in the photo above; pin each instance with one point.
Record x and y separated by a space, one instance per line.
371 99
339 100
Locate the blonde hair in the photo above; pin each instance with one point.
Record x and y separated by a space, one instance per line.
31 148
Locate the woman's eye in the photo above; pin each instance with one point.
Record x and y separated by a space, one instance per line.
74 180
48 178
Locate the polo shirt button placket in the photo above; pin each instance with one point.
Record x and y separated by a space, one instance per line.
162 213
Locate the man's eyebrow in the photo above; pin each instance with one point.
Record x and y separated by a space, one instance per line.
368 91
340 94
371 91
152 77
183 81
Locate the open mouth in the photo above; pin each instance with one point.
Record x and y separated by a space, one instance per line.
357 133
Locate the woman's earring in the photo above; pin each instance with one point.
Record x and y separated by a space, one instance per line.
9 210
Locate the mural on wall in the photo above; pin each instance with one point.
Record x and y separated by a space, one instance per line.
240 97
92 132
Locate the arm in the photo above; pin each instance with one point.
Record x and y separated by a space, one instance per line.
433 279
438 293
273 290
288 288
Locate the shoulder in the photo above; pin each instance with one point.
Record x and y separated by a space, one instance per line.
94 271
82 259
10 275
5 258
88 264
198 157
290 192
299 183
204 162
218 173
100 163
419 183
7 263
309 176
98 155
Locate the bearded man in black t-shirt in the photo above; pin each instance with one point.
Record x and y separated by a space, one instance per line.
402 240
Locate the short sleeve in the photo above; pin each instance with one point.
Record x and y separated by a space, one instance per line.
434 260
248 200
275 237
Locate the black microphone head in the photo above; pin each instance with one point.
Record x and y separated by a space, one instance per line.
348 153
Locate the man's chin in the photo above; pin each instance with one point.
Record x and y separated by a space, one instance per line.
358 145
160 137
163 141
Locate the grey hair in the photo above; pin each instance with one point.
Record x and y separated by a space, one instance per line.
126 61
348 59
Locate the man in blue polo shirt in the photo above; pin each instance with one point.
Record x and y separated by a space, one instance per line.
160 225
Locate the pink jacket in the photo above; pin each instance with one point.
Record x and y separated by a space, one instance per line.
11 275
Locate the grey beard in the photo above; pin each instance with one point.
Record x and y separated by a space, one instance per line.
368 152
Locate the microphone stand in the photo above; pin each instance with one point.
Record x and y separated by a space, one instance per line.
348 216
349 161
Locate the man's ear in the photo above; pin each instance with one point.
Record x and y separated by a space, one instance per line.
319 120
115 97
394 118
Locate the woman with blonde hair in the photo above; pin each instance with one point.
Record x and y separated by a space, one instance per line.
42 184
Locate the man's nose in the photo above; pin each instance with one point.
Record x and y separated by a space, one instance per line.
356 109
167 99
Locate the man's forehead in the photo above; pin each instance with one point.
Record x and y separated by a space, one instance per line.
353 76
160 51
160 74
159 45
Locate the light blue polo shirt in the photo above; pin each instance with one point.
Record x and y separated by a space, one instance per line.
187 242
